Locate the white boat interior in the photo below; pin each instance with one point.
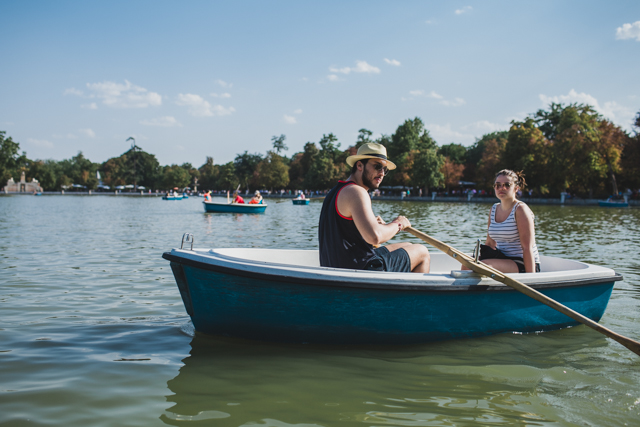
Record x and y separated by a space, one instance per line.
304 264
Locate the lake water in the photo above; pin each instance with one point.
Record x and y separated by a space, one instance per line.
93 331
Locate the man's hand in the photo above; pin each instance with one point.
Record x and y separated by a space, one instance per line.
403 221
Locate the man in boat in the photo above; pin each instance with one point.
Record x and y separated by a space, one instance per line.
350 233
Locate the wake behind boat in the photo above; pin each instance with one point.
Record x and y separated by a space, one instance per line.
225 207
284 295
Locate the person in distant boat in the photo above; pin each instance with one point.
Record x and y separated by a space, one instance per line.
348 229
256 199
207 196
301 195
237 198
511 241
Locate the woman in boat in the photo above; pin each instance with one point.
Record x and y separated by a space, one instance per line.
207 196
256 199
511 242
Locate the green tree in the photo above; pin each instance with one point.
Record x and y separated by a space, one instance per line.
245 165
364 136
409 139
175 176
272 172
630 159
227 179
278 143
476 151
573 132
327 165
456 153
528 150
427 169
209 173
10 160
490 163
46 172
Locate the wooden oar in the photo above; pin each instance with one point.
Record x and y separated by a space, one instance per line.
491 272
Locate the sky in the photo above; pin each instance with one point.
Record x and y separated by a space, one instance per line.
194 79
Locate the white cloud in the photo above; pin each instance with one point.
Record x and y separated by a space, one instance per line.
485 126
361 67
42 143
87 132
224 84
290 119
434 95
125 95
198 107
91 106
333 78
345 70
166 121
464 10
455 103
73 91
629 31
416 92
429 21
611 110
444 134
393 62
298 111
222 95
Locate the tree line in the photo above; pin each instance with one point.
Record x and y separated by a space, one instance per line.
563 148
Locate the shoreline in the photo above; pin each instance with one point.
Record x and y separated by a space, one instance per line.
441 199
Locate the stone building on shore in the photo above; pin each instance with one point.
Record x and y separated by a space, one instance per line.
23 186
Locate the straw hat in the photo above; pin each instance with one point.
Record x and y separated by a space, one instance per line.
257 193
371 150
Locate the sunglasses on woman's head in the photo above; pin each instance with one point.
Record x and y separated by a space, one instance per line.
378 167
499 185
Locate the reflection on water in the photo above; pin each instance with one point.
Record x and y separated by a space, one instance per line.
93 330
502 380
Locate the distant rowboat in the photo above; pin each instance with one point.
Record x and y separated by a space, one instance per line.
613 203
234 207
300 201
172 197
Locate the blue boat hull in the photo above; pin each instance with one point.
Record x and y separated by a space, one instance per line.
300 202
234 207
239 304
608 204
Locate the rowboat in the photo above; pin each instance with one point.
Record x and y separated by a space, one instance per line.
234 207
172 197
300 201
613 203
284 295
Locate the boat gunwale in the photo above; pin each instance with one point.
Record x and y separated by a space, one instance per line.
319 280
240 205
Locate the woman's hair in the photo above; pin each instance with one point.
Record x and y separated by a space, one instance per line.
517 177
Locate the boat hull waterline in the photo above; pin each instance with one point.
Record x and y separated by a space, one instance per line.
292 303
300 201
234 207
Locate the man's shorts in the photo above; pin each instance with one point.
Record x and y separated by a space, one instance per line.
396 261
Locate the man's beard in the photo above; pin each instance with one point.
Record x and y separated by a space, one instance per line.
368 181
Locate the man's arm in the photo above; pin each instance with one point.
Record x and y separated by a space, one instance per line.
354 202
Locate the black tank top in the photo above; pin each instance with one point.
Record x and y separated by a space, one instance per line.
341 244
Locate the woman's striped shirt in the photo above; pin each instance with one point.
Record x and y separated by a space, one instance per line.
506 234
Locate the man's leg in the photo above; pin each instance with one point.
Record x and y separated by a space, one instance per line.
419 255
